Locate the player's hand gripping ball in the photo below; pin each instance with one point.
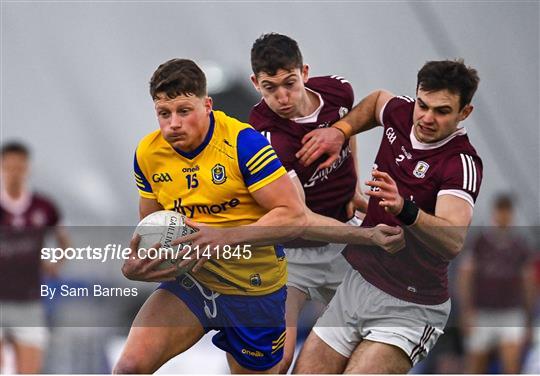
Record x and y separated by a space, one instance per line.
163 227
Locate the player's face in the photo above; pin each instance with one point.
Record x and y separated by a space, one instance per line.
183 120
503 217
15 168
437 115
284 92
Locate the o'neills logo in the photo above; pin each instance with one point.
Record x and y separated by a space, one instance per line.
256 354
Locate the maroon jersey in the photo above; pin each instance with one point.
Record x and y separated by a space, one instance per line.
422 172
23 226
327 191
500 256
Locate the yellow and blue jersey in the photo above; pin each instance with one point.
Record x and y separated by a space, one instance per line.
213 185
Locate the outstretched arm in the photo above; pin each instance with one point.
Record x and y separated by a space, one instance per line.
285 220
285 215
329 141
321 228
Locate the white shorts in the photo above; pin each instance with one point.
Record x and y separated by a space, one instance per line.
24 323
493 327
318 271
361 311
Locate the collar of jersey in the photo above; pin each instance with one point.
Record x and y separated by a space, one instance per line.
201 147
418 145
311 118
15 206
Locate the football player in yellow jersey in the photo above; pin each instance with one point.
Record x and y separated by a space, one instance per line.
220 172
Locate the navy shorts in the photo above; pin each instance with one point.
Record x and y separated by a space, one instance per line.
250 328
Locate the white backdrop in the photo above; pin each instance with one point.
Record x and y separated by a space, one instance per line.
74 79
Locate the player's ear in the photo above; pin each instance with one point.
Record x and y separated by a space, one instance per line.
465 112
255 82
305 72
208 105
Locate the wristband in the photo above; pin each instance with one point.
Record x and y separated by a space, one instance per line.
409 213
344 128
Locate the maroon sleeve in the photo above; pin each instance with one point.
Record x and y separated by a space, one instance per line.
49 208
346 91
254 118
398 112
350 92
258 118
462 176
54 216
335 88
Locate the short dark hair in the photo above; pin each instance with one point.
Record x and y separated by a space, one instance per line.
272 52
503 201
178 77
451 75
14 147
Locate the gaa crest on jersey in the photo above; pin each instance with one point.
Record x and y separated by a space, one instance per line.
218 174
420 169
343 111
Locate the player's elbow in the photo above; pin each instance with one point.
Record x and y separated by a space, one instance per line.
453 249
453 239
298 219
301 221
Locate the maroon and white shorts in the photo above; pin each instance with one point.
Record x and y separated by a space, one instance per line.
24 323
318 271
361 311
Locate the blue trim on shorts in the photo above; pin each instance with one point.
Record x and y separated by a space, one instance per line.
279 250
250 328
